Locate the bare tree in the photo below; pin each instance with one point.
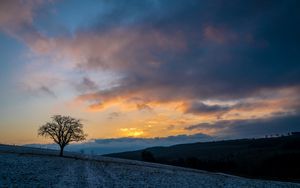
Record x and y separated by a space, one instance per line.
63 130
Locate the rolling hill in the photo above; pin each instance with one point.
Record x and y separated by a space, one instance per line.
266 158
32 167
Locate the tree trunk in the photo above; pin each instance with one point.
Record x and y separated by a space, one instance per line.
61 151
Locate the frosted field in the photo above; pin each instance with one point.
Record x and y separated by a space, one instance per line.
28 167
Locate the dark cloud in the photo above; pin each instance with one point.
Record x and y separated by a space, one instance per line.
174 50
232 50
201 108
39 90
47 91
191 49
251 127
86 85
265 127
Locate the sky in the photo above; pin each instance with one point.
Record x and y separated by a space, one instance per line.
152 68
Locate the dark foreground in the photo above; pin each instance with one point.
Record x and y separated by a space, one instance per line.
25 167
266 158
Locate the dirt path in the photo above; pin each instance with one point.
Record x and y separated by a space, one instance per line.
89 174
95 178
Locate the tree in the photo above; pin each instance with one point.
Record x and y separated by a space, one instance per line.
63 130
147 156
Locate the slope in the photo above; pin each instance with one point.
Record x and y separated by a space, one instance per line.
31 167
266 158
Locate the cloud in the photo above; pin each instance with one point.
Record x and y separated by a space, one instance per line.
162 61
47 91
86 85
17 20
144 107
171 127
114 115
201 108
246 128
40 91
175 52
219 35
188 61
38 81
16 14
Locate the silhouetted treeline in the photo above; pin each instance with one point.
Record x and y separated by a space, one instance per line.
147 156
275 158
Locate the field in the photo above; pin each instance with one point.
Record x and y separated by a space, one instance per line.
29 167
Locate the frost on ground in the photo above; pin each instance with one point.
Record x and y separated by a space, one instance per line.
28 167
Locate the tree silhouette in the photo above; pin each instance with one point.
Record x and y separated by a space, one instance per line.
63 130
147 156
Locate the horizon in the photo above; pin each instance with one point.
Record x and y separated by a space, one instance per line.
128 144
150 69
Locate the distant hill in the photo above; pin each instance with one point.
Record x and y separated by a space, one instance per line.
275 158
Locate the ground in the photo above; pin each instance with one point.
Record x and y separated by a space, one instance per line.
28 167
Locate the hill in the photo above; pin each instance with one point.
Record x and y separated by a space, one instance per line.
266 158
32 167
